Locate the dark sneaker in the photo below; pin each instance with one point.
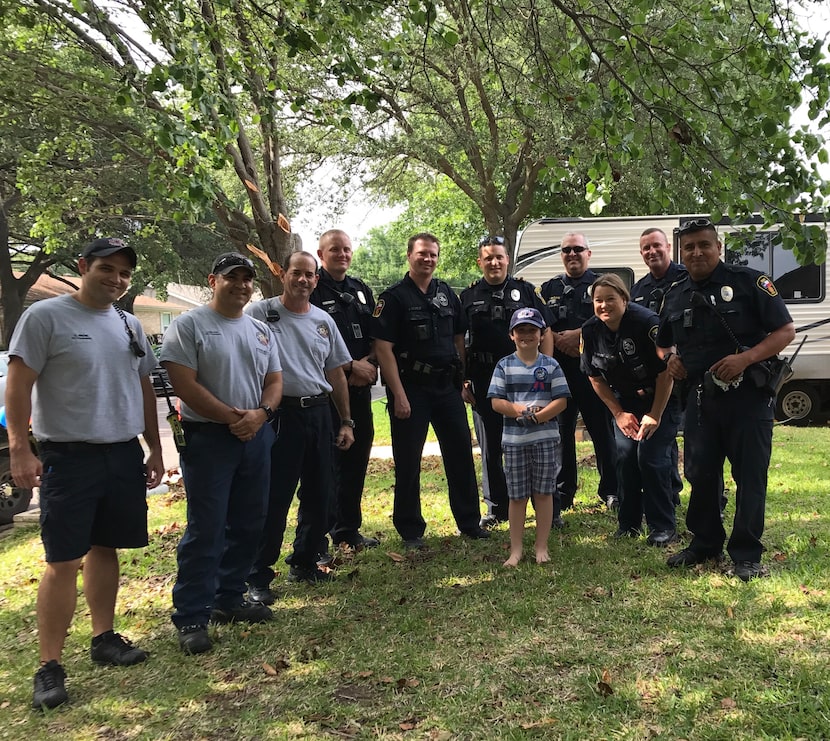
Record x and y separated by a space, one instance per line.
364 541
325 559
688 557
558 523
477 534
297 574
246 612
746 570
113 649
488 522
414 544
627 532
49 686
261 595
661 538
194 639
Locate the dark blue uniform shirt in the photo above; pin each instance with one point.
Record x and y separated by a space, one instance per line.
746 300
649 291
626 359
350 303
422 325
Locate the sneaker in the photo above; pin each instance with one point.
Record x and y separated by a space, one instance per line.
688 557
661 538
246 612
49 686
261 595
364 541
113 649
325 559
558 523
477 534
297 574
488 522
194 639
746 570
414 544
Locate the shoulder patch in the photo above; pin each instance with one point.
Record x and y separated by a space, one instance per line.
766 285
473 284
652 333
378 308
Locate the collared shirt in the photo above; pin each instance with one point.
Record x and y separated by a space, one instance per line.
626 359
424 325
649 291
350 303
745 299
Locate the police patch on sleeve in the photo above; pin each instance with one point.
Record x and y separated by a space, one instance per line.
766 285
652 333
378 308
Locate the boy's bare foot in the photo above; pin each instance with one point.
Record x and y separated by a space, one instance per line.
542 557
513 561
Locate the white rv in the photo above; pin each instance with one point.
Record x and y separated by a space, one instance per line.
614 246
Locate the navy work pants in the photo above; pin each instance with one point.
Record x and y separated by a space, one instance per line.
644 470
734 425
441 405
226 482
600 426
350 467
489 426
303 452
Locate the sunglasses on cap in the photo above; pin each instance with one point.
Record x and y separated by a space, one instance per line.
486 241
226 263
577 248
694 225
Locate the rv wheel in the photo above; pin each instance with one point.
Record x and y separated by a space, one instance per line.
13 499
797 404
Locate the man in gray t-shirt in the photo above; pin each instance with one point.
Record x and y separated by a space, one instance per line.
80 368
225 368
314 358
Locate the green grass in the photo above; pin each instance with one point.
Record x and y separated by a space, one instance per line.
604 643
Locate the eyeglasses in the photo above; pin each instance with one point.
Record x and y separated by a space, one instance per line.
694 225
577 248
487 241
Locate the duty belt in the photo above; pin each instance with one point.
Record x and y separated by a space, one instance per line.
303 402
486 358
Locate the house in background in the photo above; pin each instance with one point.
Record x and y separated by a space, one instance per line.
155 315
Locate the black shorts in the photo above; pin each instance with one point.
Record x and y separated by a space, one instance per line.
92 495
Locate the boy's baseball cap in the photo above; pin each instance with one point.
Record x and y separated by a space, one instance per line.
527 316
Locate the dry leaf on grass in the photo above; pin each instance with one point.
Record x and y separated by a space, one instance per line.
410 724
604 685
396 557
272 670
727 703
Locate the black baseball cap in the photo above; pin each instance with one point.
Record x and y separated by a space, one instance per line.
109 246
228 261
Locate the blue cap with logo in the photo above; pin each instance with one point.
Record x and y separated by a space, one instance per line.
527 316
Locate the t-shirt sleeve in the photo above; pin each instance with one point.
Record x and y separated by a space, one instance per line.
558 384
339 354
179 345
30 340
498 386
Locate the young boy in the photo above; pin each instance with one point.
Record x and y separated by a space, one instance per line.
529 389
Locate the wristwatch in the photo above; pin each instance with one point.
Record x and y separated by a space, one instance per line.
269 413
347 423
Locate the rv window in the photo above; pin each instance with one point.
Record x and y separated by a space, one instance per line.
796 283
626 274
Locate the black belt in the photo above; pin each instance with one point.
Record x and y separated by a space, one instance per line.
303 402
486 358
80 448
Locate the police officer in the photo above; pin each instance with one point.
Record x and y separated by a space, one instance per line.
724 321
349 301
419 340
649 292
662 270
569 302
489 304
621 360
